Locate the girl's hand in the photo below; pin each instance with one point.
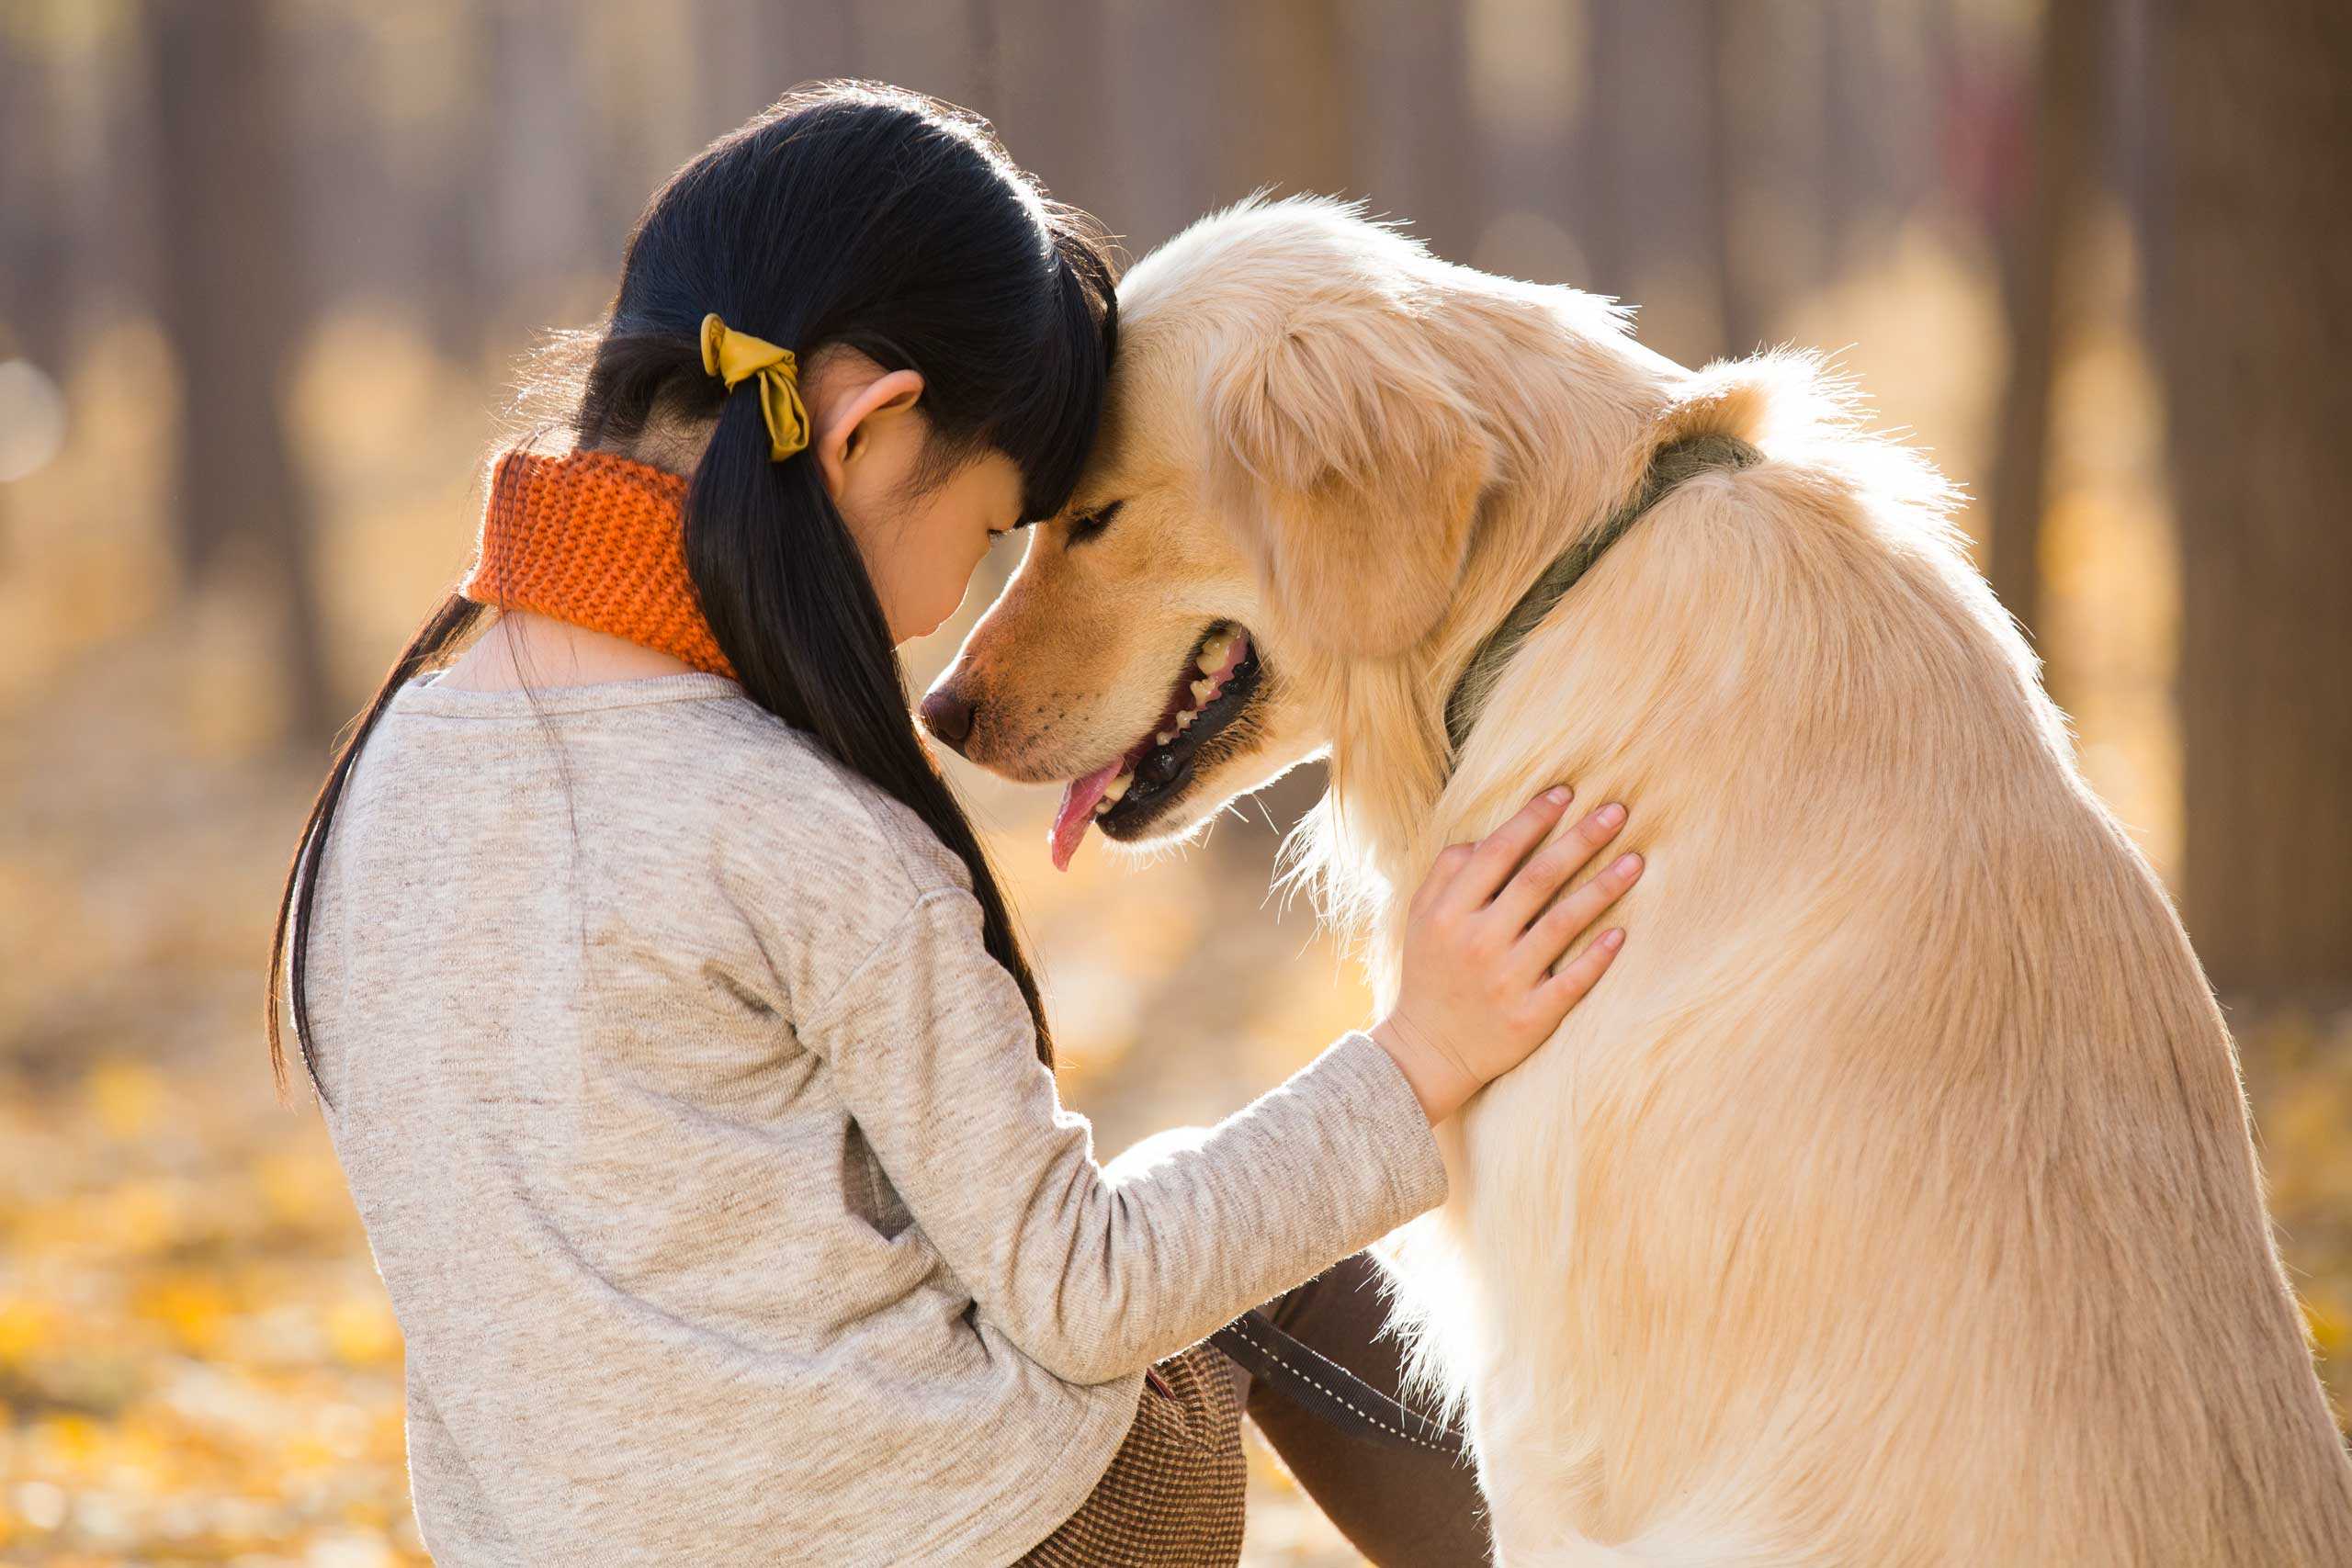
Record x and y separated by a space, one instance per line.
1478 993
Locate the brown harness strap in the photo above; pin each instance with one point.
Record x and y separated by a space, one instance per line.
1675 462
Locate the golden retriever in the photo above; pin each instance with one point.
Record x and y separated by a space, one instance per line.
1892 1202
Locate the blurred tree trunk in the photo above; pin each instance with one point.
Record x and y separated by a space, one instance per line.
1166 66
227 292
449 201
34 265
1288 99
1053 103
1288 112
1851 121
1603 228
945 47
2042 214
1740 331
2258 269
542 230
1654 97
1419 158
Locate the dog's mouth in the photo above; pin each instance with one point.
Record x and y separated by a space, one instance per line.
1123 798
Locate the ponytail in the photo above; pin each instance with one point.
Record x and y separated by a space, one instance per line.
790 602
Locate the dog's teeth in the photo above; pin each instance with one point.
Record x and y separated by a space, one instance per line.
1118 787
1213 653
1204 690
1163 737
1102 808
1184 719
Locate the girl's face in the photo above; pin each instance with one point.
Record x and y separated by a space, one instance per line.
920 542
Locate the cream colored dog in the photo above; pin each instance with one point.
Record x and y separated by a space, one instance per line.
1892 1202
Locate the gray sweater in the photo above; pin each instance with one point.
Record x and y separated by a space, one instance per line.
728 1213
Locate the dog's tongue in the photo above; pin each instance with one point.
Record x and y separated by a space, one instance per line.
1077 810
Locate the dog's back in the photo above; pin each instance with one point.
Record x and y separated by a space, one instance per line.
1891 1201
1894 1202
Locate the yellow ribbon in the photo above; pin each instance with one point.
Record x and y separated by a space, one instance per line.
735 357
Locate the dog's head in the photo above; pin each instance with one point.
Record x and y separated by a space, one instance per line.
1284 488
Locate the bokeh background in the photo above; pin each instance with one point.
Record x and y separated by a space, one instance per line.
266 270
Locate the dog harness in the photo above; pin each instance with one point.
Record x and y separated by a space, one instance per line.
1328 1391
1674 463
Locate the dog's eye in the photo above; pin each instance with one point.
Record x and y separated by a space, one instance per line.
1087 524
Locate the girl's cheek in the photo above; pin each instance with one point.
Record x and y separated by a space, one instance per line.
946 595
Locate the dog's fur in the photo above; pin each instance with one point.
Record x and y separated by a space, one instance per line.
1892 1202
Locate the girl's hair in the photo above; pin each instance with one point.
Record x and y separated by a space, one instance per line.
853 214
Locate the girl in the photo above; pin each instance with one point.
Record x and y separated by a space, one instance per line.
669 1025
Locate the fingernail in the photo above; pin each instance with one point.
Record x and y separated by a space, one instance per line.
1611 939
1627 864
1610 814
1559 795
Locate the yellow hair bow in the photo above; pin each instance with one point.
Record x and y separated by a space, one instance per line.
734 357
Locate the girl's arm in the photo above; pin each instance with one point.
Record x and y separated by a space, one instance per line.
932 1053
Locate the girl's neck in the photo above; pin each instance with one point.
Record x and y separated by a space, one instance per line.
524 649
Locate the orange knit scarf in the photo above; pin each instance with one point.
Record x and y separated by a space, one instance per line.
596 540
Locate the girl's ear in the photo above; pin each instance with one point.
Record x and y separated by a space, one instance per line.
849 403
1352 461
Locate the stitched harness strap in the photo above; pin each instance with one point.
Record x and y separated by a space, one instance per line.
1674 463
1326 1390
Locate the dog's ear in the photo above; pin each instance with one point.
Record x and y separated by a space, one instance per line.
1350 458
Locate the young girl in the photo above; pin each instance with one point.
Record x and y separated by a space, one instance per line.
669 1026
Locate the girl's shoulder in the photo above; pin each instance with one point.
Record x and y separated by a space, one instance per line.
825 866
780 800
700 809
681 761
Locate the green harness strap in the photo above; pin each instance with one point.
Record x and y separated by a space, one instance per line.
1674 463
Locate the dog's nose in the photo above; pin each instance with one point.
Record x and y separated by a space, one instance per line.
948 715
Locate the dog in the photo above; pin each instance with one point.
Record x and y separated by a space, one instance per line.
1893 1201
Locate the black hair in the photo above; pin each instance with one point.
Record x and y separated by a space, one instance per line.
849 214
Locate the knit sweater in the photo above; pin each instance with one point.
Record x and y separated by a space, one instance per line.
726 1211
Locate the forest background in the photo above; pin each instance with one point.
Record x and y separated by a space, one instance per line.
267 268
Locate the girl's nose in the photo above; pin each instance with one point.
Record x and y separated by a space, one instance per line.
948 715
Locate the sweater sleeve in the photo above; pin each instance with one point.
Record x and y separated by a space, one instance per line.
1094 1277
